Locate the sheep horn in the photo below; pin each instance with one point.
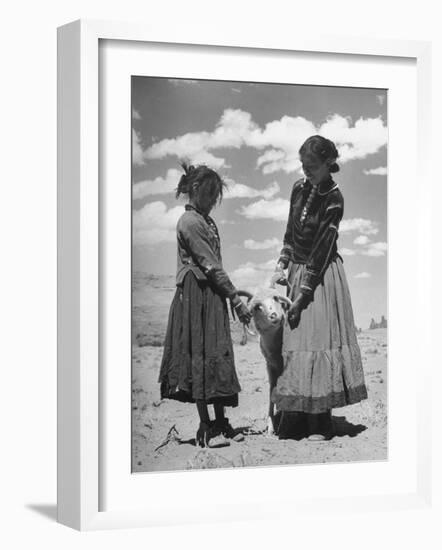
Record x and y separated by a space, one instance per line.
284 300
246 330
245 293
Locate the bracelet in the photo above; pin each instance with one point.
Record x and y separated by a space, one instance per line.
238 304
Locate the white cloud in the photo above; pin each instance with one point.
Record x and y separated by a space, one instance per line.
360 225
363 275
239 190
279 140
192 146
375 249
275 209
136 115
380 171
157 186
282 140
266 244
154 223
137 151
370 249
364 138
347 252
162 185
367 248
250 276
361 240
229 133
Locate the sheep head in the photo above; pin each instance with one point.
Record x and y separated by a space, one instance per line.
267 307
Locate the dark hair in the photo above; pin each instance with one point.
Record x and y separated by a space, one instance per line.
200 179
322 148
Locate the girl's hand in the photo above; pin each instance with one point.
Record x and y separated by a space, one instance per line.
294 316
294 313
279 277
241 310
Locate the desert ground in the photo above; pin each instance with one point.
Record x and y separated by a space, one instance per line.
163 431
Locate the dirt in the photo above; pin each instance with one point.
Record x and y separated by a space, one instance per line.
163 431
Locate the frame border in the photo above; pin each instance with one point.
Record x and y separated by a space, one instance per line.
78 475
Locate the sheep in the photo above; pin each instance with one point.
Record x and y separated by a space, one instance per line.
268 309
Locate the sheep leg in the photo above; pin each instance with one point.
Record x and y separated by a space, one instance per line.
271 410
243 341
271 415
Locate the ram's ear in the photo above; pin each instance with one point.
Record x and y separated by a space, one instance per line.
284 301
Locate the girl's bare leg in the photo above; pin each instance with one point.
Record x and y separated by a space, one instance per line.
202 435
219 413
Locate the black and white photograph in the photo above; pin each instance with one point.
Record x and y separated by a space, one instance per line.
259 274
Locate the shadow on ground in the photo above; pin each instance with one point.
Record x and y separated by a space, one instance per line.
295 426
342 427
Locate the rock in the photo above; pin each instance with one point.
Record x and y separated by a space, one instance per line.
381 324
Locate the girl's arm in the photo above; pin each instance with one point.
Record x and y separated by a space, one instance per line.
323 245
197 242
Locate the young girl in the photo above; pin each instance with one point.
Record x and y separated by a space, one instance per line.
198 364
322 359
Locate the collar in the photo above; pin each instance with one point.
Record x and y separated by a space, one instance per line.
205 216
191 207
324 188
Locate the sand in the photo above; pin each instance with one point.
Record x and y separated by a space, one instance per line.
163 431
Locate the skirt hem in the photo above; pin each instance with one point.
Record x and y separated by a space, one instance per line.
316 405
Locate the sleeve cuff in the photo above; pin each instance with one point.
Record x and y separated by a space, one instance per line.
284 261
309 282
286 253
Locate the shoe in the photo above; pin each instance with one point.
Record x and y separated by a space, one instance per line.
228 431
217 441
320 426
316 437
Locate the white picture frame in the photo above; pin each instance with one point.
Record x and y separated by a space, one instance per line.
79 274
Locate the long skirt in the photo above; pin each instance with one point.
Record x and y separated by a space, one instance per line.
198 361
322 360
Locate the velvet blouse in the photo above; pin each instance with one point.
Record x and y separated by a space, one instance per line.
314 242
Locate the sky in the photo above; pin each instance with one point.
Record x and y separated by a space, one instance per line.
251 133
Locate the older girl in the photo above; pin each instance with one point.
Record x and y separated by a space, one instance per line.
198 364
322 359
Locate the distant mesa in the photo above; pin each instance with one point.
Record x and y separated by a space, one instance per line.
381 324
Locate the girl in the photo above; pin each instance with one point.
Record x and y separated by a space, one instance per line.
198 363
322 359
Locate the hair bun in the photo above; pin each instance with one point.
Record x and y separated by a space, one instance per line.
334 167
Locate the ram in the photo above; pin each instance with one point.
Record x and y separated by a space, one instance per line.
268 309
